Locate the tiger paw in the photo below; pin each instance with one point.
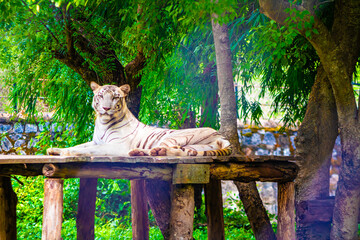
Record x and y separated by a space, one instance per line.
137 152
192 152
53 151
159 151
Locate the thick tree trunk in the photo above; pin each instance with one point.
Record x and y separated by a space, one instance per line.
315 141
249 195
347 196
338 50
8 201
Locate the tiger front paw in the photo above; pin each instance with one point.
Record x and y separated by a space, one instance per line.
158 151
137 152
53 151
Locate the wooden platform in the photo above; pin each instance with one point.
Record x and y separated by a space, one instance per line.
183 172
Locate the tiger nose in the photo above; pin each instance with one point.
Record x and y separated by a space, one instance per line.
106 108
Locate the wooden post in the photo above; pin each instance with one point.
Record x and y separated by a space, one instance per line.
286 211
85 218
182 212
214 207
139 210
53 209
8 201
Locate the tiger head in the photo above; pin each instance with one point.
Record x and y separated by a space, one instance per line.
109 99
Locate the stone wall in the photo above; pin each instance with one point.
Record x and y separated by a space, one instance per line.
19 137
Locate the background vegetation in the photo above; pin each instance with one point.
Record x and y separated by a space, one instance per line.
177 81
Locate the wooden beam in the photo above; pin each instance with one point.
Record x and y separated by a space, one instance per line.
182 212
85 218
20 169
53 209
255 171
191 173
214 207
139 211
109 170
286 211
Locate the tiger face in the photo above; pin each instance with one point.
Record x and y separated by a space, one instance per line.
109 99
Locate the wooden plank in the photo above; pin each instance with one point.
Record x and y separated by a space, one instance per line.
182 212
286 211
214 207
139 211
255 171
85 218
19 159
53 209
191 173
113 171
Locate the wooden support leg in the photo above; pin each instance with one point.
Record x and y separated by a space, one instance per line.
214 207
8 201
286 211
139 210
53 209
85 218
182 212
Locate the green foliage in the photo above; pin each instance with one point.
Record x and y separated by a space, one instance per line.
282 62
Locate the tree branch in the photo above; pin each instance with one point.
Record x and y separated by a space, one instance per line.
51 33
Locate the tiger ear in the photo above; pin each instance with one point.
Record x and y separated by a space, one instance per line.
94 85
125 89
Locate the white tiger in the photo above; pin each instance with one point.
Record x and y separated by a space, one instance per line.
119 133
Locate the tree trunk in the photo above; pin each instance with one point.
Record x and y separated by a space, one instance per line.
315 141
249 195
8 201
338 50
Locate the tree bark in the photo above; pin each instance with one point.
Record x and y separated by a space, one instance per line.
85 218
315 141
258 218
8 201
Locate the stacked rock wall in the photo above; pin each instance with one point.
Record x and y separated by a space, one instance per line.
18 136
